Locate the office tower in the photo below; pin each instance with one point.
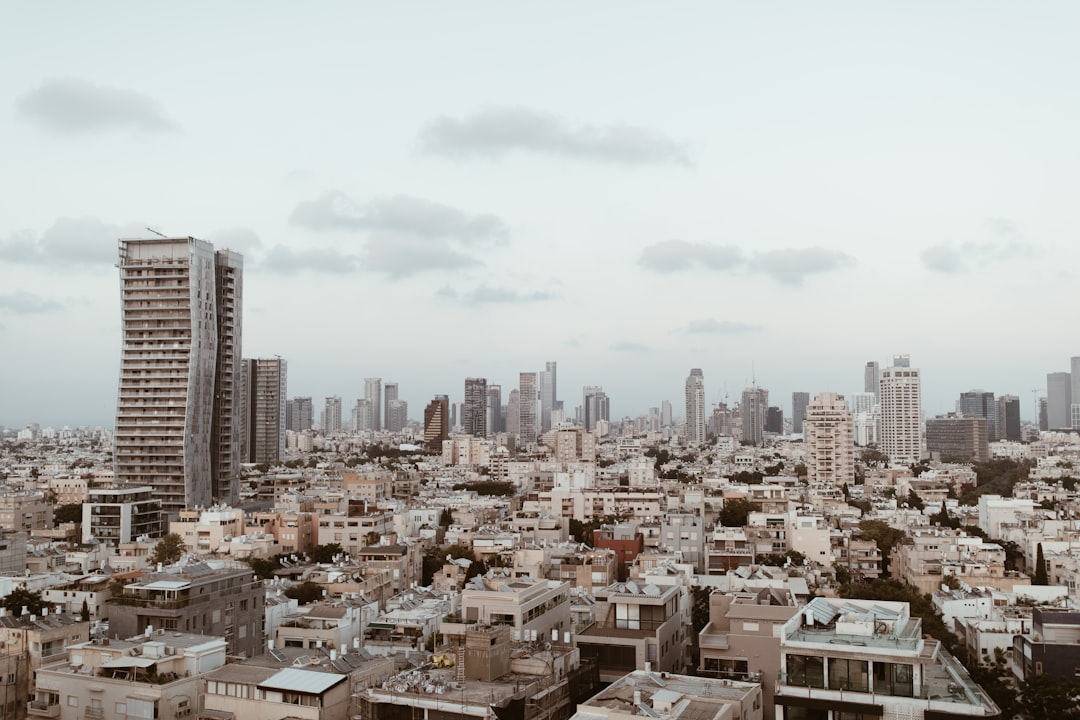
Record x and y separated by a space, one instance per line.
900 412
179 420
474 409
494 410
1058 400
597 406
755 403
961 439
1008 418
830 445
332 415
979 403
665 413
722 420
299 414
1044 414
266 387
1074 407
436 423
799 402
362 419
513 421
871 377
373 394
548 395
774 420
695 407
527 408
397 415
390 393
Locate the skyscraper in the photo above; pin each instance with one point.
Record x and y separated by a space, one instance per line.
373 394
474 409
513 418
979 403
900 413
799 402
774 420
871 377
494 410
596 406
266 395
830 445
397 415
332 415
1058 400
665 413
362 420
302 414
695 407
527 397
753 408
548 395
179 419
1074 407
1008 418
436 423
390 393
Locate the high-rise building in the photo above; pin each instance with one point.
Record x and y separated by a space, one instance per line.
799 402
332 415
300 414
373 394
390 393
956 438
548 394
1059 400
513 420
979 403
362 420
753 408
695 407
597 406
774 420
830 445
527 415
397 415
871 377
266 387
436 423
1044 414
665 413
722 420
494 410
865 416
900 412
474 409
179 418
1008 418
1074 407
901 361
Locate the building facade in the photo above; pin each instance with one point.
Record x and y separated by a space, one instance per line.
695 407
830 442
267 380
474 409
900 414
527 411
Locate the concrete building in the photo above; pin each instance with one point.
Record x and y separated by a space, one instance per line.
799 402
208 531
25 511
980 404
1008 418
830 442
900 407
643 693
373 394
267 385
548 394
753 409
474 409
390 394
27 643
526 605
596 408
858 658
496 421
1059 401
527 409
957 438
436 423
331 420
121 515
397 415
925 557
1053 648
872 377
243 690
300 414
695 407
179 417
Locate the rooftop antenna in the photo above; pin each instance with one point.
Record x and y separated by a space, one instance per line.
157 233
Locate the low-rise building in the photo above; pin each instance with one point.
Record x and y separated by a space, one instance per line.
644 693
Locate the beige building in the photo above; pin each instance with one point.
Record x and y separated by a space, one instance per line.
644 694
25 510
927 556
830 442
206 531
27 642
535 606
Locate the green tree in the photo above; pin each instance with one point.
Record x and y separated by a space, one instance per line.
874 458
477 567
264 567
325 553
736 512
913 500
1049 696
305 593
699 609
168 550
944 519
20 598
1040 576
69 513
884 535
84 612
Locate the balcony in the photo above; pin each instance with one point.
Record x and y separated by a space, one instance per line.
43 708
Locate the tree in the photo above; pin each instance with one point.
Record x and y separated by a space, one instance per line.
736 512
69 513
168 550
264 567
84 612
913 500
1049 696
477 567
874 458
1040 577
325 553
305 593
699 610
944 519
20 598
884 535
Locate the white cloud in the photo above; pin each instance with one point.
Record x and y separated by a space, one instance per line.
72 106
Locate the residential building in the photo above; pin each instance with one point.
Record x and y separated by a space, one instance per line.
1053 648
300 414
533 605
527 410
208 531
753 409
799 402
548 394
267 380
397 415
495 420
597 406
695 407
27 643
243 690
513 410
1058 401
830 442
363 418
872 377
643 693
373 394
957 439
390 394
404 562
25 510
474 409
436 423
332 415
924 558
900 408
118 515
179 417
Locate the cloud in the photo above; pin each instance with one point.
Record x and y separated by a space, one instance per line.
22 302
711 326
398 256
69 241
1006 244
70 106
498 130
791 266
241 239
629 346
942 258
335 210
677 255
485 295
285 261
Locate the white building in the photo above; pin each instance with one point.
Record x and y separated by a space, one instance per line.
901 415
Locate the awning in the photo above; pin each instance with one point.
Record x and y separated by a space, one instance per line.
128 661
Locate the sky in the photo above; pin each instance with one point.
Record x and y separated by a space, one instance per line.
428 191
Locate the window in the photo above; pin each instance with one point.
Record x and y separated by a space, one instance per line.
849 675
73 701
806 671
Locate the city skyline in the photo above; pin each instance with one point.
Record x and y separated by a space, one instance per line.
715 186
